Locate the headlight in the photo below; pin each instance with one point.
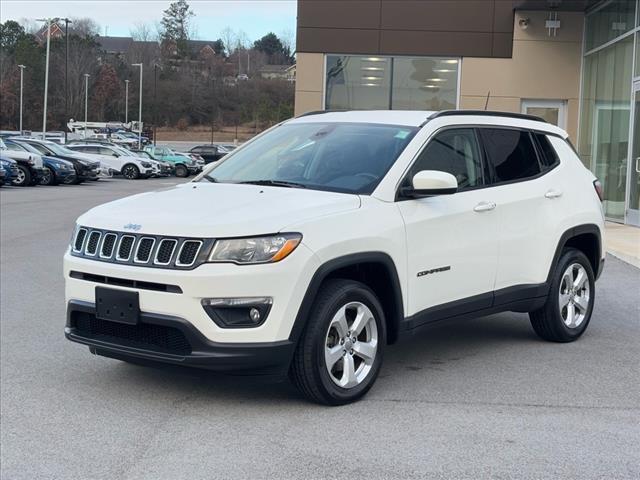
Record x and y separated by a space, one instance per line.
145 164
269 249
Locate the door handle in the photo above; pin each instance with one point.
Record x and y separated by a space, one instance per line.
484 207
553 194
637 164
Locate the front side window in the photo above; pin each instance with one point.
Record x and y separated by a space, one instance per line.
454 151
340 157
511 154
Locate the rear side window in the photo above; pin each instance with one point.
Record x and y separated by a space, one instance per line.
548 155
511 154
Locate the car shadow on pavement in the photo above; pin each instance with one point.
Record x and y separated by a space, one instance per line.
431 349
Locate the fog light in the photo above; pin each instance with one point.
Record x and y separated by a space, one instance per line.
246 312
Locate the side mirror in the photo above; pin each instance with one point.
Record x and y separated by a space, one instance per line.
428 183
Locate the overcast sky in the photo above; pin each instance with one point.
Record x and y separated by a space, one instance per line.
254 17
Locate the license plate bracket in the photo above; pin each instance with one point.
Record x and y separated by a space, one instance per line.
119 306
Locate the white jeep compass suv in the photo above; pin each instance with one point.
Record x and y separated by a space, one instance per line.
335 234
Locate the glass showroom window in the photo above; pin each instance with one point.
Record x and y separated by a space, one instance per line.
604 122
358 83
611 21
399 83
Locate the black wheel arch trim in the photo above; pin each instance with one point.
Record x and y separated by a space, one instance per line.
587 228
326 269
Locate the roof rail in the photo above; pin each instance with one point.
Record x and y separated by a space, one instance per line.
318 112
448 113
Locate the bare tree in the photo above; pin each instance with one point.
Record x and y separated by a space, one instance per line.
143 32
229 39
85 26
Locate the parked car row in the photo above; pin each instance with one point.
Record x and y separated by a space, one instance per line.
49 163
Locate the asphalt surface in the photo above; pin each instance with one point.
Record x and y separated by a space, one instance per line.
477 399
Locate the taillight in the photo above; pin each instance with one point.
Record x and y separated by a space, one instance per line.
599 190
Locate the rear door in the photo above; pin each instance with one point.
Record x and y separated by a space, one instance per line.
524 198
451 239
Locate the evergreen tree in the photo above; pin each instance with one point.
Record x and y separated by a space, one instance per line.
175 25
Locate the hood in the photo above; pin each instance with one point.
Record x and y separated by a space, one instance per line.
217 210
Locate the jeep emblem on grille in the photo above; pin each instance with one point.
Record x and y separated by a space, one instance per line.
132 226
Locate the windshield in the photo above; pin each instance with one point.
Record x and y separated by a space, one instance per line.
340 157
59 149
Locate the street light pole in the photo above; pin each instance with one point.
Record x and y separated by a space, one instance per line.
22 67
139 108
155 101
126 102
86 101
66 75
46 74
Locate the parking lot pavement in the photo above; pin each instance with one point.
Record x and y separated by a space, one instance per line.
476 399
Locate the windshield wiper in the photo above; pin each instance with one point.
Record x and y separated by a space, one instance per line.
275 183
211 179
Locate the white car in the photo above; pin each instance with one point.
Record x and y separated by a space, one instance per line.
332 235
117 159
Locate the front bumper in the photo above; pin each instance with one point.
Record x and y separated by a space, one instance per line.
172 340
179 293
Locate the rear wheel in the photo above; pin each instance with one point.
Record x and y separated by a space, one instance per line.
130 172
23 178
339 355
48 177
181 171
567 311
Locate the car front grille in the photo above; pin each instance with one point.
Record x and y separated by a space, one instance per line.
140 249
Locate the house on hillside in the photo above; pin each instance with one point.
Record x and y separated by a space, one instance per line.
278 72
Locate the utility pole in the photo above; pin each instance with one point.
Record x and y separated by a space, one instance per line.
66 75
126 102
22 67
213 105
140 109
86 101
46 73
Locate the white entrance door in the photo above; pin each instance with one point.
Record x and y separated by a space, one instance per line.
553 111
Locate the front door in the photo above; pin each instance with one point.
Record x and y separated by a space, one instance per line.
633 199
451 239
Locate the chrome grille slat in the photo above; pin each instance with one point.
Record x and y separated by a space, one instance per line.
139 249
108 244
166 247
125 247
92 243
188 253
144 249
78 242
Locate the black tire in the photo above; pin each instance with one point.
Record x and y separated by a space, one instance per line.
182 171
130 172
24 177
308 371
49 177
548 321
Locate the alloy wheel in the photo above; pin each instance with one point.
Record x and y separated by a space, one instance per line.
351 345
574 295
20 178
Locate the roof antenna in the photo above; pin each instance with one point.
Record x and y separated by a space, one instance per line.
486 104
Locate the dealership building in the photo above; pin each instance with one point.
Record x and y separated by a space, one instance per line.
576 63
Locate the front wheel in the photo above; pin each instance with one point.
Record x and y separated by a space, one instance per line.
48 177
23 178
339 355
130 172
567 311
182 171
